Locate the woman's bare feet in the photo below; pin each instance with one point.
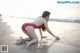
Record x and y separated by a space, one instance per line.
20 41
28 43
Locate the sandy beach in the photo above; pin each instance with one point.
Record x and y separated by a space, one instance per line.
69 33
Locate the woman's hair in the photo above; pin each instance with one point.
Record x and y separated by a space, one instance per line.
44 15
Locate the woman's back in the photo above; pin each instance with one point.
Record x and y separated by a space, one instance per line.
39 21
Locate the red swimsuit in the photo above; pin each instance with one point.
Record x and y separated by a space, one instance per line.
30 24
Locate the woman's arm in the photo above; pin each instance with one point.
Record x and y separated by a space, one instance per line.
46 26
42 34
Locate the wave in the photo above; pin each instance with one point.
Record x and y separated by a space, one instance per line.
73 20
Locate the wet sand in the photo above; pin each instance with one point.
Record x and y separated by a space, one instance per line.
69 33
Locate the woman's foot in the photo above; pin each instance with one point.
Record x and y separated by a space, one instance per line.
20 41
29 43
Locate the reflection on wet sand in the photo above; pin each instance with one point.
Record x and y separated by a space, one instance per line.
66 31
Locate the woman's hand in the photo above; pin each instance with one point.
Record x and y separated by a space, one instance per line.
57 38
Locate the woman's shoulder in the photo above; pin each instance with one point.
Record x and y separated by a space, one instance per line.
42 19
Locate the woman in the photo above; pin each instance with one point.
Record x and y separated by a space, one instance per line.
40 23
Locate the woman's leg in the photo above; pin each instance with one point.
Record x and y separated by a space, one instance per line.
26 39
21 40
31 33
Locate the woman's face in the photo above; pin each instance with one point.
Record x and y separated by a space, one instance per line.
47 18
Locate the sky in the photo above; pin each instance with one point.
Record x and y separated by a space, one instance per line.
35 8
